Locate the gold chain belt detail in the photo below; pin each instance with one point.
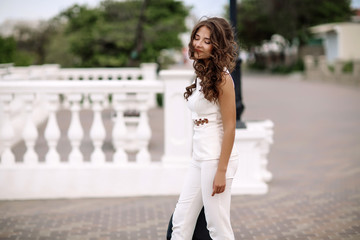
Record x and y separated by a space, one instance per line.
197 122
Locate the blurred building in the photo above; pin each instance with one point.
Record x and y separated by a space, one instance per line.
340 62
341 41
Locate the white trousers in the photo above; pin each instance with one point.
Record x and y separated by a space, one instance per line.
196 193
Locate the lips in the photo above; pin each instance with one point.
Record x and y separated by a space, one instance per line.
198 51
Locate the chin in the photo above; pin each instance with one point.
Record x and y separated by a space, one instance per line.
197 57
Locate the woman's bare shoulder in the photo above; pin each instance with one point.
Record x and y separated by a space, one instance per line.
226 81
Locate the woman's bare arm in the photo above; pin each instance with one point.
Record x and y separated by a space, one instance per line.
228 114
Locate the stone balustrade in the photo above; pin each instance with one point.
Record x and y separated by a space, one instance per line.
317 68
96 177
125 96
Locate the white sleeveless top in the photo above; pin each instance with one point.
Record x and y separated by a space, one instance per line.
207 138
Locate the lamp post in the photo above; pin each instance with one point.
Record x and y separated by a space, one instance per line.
236 74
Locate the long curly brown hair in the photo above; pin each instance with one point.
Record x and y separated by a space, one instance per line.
222 57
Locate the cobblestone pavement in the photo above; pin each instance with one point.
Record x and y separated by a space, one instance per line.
315 192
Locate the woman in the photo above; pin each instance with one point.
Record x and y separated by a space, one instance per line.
211 99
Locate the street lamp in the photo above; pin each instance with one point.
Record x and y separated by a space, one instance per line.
236 74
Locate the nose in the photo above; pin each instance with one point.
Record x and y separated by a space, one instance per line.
198 44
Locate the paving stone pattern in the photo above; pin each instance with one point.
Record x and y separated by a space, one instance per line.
314 195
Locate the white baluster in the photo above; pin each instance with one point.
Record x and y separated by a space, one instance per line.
119 131
97 131
30 133
7 131
52 131
75 132
86 103
64 101
106 102
143 132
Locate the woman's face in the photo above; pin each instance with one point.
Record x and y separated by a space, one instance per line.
202 44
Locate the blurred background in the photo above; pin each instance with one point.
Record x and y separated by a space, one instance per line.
274 35
283 43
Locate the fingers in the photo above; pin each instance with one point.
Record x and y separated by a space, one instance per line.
221 189
214 189
218 190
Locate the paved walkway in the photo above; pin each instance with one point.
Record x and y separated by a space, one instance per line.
315 193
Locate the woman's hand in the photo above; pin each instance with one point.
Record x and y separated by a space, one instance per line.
219 183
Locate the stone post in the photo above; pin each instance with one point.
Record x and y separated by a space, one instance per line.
249 177
309 66
148 72
356 72
177 118
338 67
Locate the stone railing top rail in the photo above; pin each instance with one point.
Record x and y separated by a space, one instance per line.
43 86
146 71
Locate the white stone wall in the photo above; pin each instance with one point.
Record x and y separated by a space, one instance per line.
75 178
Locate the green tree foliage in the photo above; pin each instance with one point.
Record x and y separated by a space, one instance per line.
9 53
31 43
80 33
113 34
123 33
7 49
58 48
259 19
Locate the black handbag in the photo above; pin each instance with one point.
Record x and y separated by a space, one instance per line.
200 232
